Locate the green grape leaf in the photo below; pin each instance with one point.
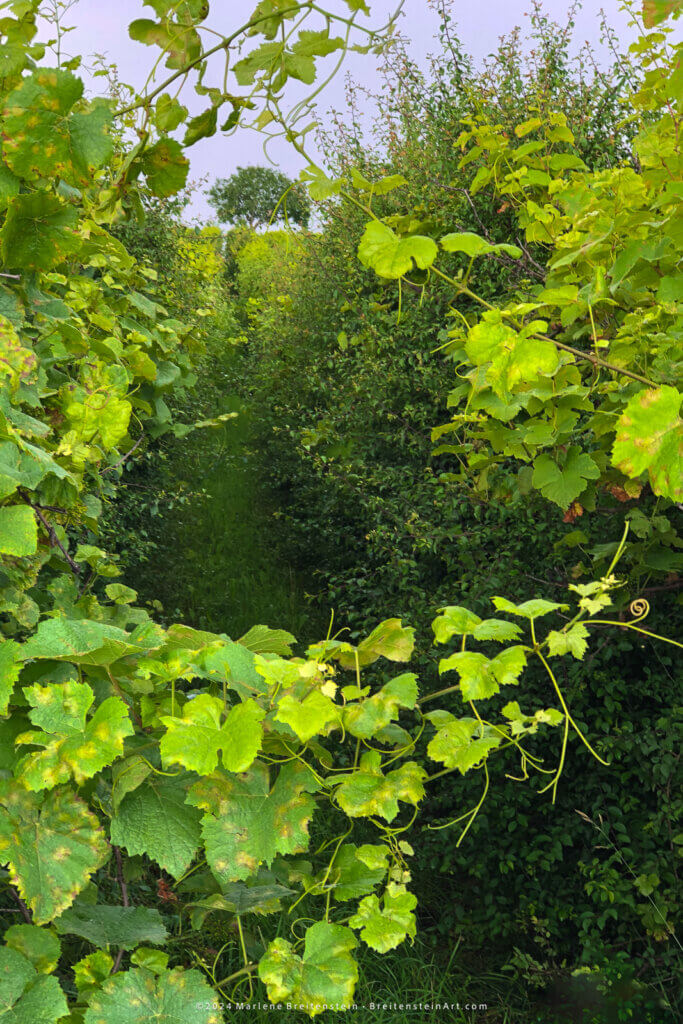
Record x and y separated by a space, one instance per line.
165 167
72 746
195 739
263 640
44 140
27 997
90 643
374 857
367 791
383 927
453 621
353 877
238 898
389 256
203 126
155 819
127 774
309 717
320 187
529 609
247 822
509 357
649 438
38 232
367 718
326 975
39 945
126 927
496 629
137 997
52 843
570 641
9 186
473 245
562 484
482 677
169 113
18 531
10 666
455 745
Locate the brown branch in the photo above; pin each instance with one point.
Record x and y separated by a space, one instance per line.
54 539
108 469
119 876
23 909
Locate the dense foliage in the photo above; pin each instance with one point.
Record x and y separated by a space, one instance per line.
136 755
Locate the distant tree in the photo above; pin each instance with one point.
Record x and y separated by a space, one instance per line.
250 195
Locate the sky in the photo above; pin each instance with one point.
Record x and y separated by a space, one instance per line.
101 27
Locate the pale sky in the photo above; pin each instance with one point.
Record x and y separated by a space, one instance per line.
101 26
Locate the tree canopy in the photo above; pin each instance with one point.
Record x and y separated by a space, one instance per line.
256 196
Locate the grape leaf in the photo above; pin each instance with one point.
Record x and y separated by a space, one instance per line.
44 139
263 640
453 620
481 677
105 926
529 609
389 256
562 484
195 739
570 641
18 531
367 718
90 643
72 746
38 232
27 997
10 667
473 245
309 717
247 822
52 844
326 974
509 357
351 876
39 945
155 819
649 438
165 167
137 997
385 927
455 746
391 640
367 791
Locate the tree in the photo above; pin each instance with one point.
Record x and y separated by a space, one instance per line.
253 196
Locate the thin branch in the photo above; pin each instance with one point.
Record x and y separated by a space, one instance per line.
55 541
108 469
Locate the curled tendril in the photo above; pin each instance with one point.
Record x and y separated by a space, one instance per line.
640 609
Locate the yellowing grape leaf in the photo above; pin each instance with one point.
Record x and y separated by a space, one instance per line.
195 740
136 996
72 746
383 927
650 438
52 843
18 531
324 976
247 822
367 791
45 138
458 743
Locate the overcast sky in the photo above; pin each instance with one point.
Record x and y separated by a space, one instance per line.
101 27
